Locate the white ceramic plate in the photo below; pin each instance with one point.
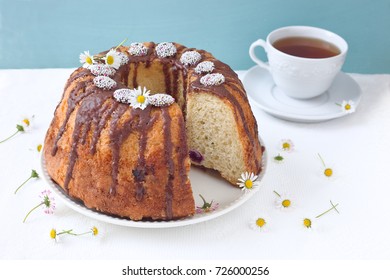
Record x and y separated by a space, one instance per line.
211 187
264 94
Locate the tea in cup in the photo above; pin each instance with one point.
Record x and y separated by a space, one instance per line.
302 60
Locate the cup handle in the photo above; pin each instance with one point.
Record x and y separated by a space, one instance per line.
258 43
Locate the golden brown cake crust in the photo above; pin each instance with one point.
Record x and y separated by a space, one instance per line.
134 163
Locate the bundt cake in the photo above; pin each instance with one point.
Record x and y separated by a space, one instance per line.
119 143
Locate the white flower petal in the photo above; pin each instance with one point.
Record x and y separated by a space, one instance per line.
113 59
348 106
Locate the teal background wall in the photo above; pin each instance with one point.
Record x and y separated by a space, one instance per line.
51 34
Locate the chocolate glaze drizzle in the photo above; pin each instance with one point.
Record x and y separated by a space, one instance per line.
97 107
169 161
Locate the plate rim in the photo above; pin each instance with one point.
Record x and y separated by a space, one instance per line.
195 219
292 116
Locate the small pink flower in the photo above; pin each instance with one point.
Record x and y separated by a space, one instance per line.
206 207
47 202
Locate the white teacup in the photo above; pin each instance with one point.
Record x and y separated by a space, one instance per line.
297 76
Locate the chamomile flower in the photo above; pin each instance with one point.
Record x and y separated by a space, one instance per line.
54 234
139 98
284 201
86 59
38 148
327 171
113 59
94 231
310 223
21 127
286 145
247 181
207 206
348 107
34 174
307 223
47 201
260 223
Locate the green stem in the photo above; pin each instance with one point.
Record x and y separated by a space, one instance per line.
323 162
2 141
333 207
25 218
121 43
277 193
22 184
338 104
204 200
72 233
67 232
83 233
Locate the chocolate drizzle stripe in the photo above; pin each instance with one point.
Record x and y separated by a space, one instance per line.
84 117
145 123
125 69
175 77
135 84
100 121
252 136
183 152
72 102
116 138
169 161
79 73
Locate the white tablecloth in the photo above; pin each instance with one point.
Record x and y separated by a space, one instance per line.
356 146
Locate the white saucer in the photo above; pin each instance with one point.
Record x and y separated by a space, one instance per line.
266 95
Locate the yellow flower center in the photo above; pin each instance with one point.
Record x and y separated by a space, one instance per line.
260 222
347 107
307 223
286 146
286 203
39 147
110 60
140 99
328 172
88 60
248 184
26 122
95 231
53 234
